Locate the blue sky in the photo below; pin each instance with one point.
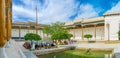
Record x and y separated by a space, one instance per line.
50 11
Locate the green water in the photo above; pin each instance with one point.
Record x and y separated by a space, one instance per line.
77 54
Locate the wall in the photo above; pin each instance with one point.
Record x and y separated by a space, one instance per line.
111 32
89 30
15 33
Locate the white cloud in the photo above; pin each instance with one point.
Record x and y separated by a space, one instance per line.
115 8
51 11
58 11
87 11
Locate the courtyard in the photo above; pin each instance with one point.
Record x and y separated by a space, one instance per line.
59 29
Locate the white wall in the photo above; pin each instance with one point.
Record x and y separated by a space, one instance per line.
89 30
23 32
32 31
15 32
78 34
114 27
71 31
100 33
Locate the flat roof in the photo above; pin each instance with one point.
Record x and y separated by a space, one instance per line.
88 20
27 23
111 13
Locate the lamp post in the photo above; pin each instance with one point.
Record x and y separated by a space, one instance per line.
36 21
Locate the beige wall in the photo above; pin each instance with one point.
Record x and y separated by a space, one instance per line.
15 32
89 30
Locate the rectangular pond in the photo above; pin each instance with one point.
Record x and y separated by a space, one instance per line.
77 54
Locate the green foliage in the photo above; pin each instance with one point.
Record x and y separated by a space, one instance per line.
119 35
59 35
88 36
54 27
32 36
57 31
47 29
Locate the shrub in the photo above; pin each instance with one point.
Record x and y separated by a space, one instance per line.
32 36
59 35
88 36
119 35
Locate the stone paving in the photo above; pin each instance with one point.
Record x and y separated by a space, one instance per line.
14 51
116 47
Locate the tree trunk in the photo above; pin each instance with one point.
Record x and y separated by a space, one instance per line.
32 45
2 52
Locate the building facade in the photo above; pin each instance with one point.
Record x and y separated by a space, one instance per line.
19 29
101 28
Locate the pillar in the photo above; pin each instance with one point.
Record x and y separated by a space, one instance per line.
28 27
82 32
108 26
74 33
95 31
8 21
2 29
19 32
43 35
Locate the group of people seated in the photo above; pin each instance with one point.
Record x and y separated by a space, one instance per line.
38 46
45 45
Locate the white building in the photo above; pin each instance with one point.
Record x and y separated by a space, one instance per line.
19 29
102 28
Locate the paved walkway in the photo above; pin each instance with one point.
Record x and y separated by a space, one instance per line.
116 47
26 52
14 51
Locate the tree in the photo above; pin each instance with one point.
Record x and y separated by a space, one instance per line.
31 37
47 29
119 35
88 36
54 27
60 35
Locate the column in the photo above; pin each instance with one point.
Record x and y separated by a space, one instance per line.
82 32
43 35
28 27
2 29
74 33
108 31
8 19
19 32
8 22
95 31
